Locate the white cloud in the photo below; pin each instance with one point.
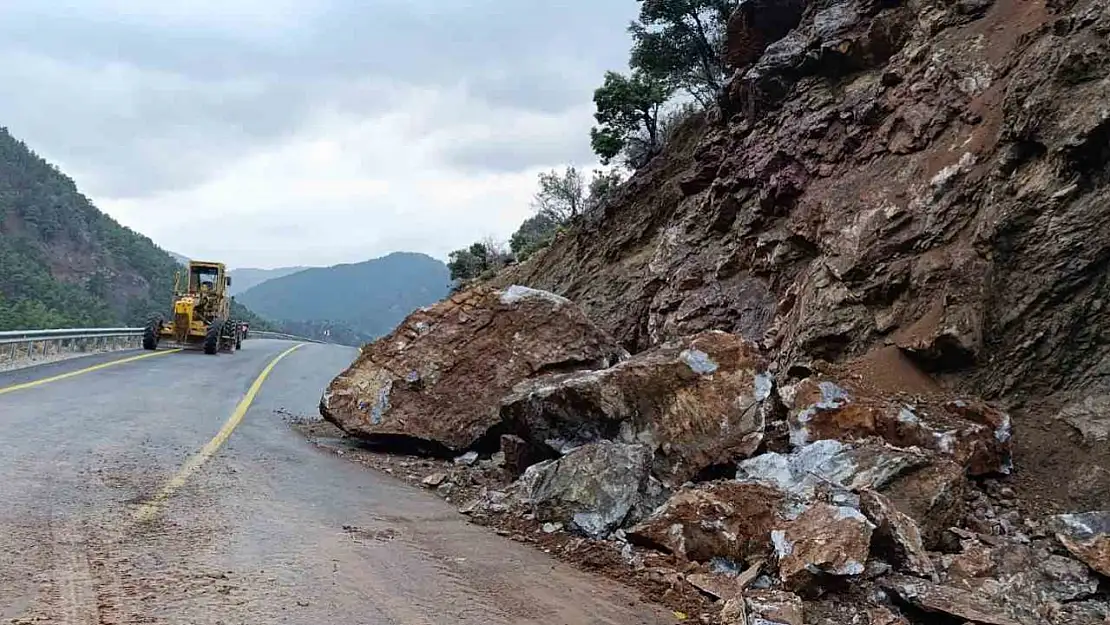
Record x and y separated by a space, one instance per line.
343 190
309 132
241 18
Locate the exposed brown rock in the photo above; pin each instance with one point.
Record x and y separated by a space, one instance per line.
949 600
715 586
880 615
698 402
856 609
1087 536
520 454
927 488
758 23
1029 578
723 519
897 536
924 175
734 612
933 497
774 606
973 433
440 376
825 540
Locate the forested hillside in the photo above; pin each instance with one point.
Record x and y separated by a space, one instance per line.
62 261
365 299
246 278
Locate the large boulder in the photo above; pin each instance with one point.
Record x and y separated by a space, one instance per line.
439 377
975 434
925 486
720 520
957 604
594 489
1028 575
823 541
698 402
830 463
1087 536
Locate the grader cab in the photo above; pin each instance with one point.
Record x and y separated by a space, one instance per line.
201 312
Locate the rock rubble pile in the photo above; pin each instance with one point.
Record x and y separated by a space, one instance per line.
816 495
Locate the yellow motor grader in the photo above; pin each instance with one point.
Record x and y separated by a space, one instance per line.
201 312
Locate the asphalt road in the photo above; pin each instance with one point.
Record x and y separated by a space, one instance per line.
126 497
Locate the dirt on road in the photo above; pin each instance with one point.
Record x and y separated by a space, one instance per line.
269 530
658 583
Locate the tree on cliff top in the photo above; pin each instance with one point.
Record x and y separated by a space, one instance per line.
533 235
561 197
683 42
480 260
628 117
603 186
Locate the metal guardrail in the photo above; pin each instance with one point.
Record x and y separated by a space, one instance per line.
29 344
27 336
261 334
20 348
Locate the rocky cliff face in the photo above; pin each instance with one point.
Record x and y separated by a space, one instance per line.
932 175
897 210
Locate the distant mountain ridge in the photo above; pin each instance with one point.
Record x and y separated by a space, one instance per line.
367 299
249 277
246 277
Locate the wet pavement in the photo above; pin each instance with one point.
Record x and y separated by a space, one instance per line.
267 529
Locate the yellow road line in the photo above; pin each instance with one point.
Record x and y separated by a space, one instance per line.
149 509
104 365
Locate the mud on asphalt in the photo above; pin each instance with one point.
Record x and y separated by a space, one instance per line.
106 568
659 581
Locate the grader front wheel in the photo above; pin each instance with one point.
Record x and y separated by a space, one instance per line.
152 332
212 339
229 336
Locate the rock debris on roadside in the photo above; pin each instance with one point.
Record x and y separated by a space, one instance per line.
855 292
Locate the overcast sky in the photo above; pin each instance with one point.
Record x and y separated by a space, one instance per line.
280 132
